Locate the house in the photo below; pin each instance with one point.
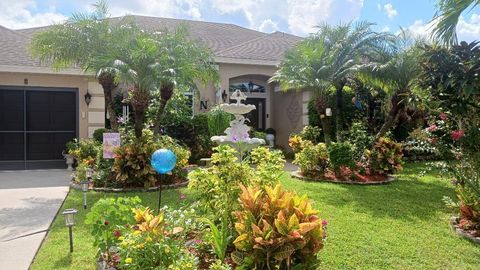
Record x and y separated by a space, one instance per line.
41 109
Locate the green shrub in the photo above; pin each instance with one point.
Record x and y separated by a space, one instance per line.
152 244
218 121
467 187
219 185
360 139
98 134
83 149
385 157
131 166
276 229
312 159
269 165
340 155
108 215
311 133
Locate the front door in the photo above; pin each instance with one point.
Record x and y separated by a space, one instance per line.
35 124
257 116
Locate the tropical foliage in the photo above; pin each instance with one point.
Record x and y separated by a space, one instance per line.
276 229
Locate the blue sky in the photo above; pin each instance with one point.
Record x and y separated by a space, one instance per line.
292 16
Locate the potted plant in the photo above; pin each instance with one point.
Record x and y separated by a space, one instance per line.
69 158
270 137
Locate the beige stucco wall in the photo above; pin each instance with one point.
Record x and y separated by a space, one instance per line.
286 111
290 113
67 81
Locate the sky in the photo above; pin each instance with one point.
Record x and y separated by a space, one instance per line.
298 17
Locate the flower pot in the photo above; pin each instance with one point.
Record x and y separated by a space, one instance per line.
69 159
270 138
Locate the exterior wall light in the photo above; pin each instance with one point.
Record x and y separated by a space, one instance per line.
328 111
88 98
69 217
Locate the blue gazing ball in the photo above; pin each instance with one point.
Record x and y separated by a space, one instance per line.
163 161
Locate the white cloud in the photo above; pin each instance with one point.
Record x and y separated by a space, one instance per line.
22 14
306 14
469 30
386 28
268 26
300 16
390 10
160 8
421 29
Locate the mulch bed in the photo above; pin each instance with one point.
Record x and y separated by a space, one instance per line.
359 178
470 235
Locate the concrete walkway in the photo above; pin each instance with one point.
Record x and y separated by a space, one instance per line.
29 201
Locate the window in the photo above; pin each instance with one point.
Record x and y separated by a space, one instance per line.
247 87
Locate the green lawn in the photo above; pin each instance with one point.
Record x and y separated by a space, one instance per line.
403 225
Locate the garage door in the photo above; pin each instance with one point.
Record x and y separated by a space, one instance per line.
35 124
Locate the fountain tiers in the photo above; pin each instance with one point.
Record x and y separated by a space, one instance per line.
237 134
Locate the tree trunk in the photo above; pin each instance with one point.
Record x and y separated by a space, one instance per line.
397 106
158 118
166 92
339 111
107 80
326 130
139 115
111 112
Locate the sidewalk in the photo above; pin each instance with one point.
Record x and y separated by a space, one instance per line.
29 201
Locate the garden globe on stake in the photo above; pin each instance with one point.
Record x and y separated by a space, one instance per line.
163 161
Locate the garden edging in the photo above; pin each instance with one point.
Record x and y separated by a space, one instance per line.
298 174
462 233
151 189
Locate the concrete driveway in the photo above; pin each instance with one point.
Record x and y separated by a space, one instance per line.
29 201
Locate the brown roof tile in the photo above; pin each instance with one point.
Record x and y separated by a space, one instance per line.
225 40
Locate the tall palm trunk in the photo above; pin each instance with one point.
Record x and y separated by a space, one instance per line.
397 106
321 104
139 116
140 101
166 92
339 110
107 81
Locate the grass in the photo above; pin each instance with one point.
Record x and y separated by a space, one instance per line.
403 225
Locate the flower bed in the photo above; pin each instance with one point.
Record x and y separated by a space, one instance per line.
473 236
150 189
359 179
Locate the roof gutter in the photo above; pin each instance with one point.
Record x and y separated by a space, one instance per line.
242 61
42 70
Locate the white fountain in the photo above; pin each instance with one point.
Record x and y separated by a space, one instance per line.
237 134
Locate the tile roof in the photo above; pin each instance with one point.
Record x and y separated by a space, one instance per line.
14 49
227 41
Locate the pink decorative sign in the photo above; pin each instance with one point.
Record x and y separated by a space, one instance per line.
110 142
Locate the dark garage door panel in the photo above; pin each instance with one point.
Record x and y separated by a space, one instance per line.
35 125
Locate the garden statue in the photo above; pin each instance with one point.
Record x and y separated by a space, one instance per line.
237 134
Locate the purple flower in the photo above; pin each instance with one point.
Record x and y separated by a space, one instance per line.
182 196
324 222
235 138
120 120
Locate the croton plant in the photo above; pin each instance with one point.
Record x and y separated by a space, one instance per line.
276 229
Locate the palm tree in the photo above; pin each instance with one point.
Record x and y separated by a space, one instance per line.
325 60
182 62
80 41
448 13
396 76
160 62
351 48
